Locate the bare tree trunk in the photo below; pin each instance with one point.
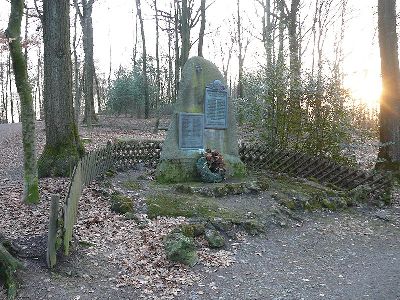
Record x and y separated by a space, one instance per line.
10 88
77 85
26 35
170 68
177 57
31 189
85 17
144 63
158 77
6 86
3 96
240 55
98 93
63 148
202 27
185 33
389 151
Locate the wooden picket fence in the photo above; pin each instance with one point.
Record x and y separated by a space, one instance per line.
119 156
126 154
321 169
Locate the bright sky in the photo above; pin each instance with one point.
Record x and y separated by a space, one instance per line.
114 24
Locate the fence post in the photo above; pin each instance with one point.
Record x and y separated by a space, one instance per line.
51 254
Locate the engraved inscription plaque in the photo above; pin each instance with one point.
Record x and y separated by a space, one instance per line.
216 106
191 131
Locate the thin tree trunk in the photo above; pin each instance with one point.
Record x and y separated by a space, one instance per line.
87 28
158 77
185 33
240 54
144 63
96 80
10 88
31 189
177 57
202 27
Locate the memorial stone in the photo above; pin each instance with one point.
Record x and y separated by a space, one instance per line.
204 118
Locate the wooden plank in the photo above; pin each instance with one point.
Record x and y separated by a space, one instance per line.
295 164
322 166
51 253
329 173
339 174
287 159
340 180
313 162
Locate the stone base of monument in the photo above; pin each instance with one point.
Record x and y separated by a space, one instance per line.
184 169
220 189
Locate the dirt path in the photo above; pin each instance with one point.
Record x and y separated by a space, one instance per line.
347 255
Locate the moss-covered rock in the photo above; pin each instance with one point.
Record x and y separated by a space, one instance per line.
214 238
121 204
193 230
180 248
253 226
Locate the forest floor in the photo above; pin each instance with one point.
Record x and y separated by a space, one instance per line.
349 254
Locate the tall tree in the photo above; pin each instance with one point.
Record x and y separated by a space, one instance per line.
158 79
202 27
144 62
85 17
389 118
63 148
185 32
31 190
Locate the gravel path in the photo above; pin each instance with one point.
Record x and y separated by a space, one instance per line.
352 255
348 255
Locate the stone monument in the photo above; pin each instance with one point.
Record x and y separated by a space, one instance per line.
204 118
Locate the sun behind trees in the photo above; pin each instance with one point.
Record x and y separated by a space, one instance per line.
389 119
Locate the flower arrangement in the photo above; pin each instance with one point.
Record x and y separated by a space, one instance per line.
211 166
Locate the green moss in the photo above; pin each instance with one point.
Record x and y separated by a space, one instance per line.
121 204
326 203
86 244
253 226
110 173
173 206
192 230
174 171
131 185
180 248
214 238
59 161
86 141
31 195
238 170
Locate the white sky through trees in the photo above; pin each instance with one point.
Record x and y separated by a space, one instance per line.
114 23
